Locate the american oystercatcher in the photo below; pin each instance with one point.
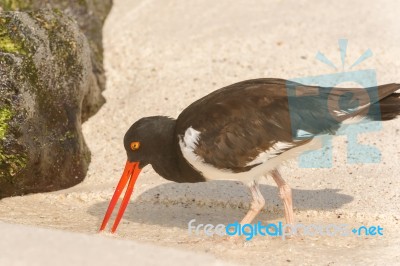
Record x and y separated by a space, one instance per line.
243 132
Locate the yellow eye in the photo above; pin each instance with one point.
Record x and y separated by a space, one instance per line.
135 145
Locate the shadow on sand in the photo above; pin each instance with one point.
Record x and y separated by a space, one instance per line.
173 205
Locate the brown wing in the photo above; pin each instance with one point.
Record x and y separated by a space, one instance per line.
240 121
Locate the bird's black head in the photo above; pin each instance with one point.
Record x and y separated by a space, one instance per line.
146 139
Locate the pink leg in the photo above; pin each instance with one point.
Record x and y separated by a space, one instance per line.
256 205
286 195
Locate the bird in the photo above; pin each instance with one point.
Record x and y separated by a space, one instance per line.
243 132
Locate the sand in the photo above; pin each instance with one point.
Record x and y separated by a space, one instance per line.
162 55
38 246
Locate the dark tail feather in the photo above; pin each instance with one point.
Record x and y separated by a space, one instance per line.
389 102
388 89
389 105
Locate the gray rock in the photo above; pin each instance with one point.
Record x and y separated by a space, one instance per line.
45 73
90 15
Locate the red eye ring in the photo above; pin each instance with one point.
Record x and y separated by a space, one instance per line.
135 145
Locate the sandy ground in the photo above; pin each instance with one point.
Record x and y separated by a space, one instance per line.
162 55
38 246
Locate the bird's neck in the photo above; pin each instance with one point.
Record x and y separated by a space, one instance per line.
165 161
169 162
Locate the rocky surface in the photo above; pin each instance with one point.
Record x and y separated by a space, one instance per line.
45 73
90 15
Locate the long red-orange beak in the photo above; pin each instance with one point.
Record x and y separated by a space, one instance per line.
131 173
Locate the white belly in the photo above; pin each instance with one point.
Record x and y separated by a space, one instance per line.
255 173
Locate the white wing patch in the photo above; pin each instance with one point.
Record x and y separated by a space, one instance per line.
350 110
191 138
303 134
276 149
